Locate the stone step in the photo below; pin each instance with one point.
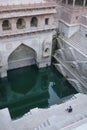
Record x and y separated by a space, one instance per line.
43 125
76 44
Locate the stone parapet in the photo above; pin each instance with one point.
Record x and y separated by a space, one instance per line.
27 31
5 8
71 14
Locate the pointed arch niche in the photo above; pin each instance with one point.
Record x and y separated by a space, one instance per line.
21 56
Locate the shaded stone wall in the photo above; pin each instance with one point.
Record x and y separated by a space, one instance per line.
21 56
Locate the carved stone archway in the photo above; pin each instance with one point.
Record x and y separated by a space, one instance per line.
21 56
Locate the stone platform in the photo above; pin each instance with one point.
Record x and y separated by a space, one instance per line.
54 118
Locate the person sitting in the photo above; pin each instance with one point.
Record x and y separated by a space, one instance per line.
69 109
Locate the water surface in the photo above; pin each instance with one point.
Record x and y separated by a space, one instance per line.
30 87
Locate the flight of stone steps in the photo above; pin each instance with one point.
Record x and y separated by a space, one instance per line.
54 124
75 41
45 124
61 121
63 66
54 118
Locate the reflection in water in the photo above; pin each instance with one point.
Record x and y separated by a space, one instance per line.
29 87
53 96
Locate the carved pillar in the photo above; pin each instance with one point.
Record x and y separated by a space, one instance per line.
84 3
66 2
13 24
74 2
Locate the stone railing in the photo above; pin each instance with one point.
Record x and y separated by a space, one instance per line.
26 30
23 13
27 6
76 7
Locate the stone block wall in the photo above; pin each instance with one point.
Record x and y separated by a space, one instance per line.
34 43
30 44
67 29
83 20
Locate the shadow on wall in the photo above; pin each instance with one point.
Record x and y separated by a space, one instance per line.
54 44
21 56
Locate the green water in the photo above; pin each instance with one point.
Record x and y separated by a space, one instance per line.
29 87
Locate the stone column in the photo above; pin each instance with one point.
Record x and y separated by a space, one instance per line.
84 3
1 21
27 21
66 2
13 24
74 2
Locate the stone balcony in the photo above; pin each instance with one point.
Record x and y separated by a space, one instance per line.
11 8
26 31
46 4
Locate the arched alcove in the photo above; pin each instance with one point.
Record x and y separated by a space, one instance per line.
21 56
34 22
6 25
20 23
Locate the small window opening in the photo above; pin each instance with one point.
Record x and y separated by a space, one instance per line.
77 17
47 49
46 21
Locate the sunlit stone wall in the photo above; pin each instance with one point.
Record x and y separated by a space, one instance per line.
18 2
34 35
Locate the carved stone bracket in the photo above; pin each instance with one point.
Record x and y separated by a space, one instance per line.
46 48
